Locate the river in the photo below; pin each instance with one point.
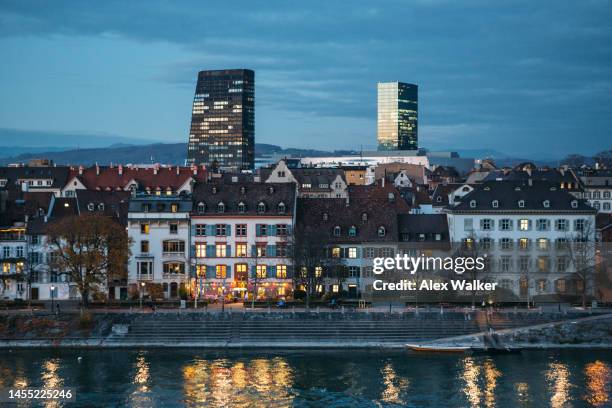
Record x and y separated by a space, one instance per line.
348 378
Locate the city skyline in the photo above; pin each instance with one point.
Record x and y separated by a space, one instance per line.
505 79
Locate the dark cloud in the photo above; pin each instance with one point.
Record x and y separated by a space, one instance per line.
503 74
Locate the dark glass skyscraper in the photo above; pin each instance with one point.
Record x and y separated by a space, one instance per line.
398 116
223 120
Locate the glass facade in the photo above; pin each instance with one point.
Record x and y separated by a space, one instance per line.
223 120
397 116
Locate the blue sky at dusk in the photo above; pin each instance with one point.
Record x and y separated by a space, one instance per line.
515 76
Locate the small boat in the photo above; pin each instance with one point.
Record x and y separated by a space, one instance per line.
438 349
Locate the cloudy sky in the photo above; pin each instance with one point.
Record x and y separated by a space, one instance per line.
515 76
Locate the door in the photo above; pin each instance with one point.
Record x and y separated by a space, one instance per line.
34 293
173 290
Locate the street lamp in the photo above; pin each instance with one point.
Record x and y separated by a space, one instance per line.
52 299
142 285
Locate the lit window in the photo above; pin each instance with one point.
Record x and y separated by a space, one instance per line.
281 271
241 250
221 271
221 250
262 271
144 228
200 249
352 253
524 225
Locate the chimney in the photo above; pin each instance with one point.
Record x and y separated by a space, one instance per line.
120 169
155 168
178 170
80 170
194 169
383 180
97 170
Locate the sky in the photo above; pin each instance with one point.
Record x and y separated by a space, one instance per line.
520 77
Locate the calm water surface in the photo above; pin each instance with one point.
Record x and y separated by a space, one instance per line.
162 378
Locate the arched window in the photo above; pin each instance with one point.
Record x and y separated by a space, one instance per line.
281 208
337 231
382 231
242 207
221 207
261 207
90 206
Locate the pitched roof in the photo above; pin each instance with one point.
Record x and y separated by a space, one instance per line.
57 174
520 196
110 203
231 194
410 227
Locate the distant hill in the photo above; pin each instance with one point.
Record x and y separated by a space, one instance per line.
167 153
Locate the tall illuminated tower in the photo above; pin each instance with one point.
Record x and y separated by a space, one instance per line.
223 120
397 116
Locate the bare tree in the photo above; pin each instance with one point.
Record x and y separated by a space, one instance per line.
88 248
581 252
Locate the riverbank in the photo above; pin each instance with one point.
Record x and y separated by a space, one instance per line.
302 330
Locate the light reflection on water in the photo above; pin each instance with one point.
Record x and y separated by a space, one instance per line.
315 378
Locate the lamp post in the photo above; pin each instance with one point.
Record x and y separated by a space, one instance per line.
142 285
52 299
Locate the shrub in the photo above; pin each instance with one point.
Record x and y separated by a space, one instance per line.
86 321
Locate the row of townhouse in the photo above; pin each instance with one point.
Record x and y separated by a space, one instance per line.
224 239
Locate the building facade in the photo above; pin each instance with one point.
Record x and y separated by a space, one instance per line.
223 120
397 116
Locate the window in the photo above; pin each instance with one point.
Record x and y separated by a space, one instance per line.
352 231
468 224
145 268
281 250
336 252
505 224
486 224
242 207
144 247
352 253
173 228
35 239
201 207
505 263
541 285
146 207
562 225
262 230
144 228
19 252
485 243
368 252
495 204
201 271
221 207
472 203
174 268
241 272
6 252
90 206
364 216
543 263
318 271
325 216
280 173
546 204
335 288
221 230
523 243
221 271
220 250
241 250
200 250
200 230
542 244
579 225
174 207
574 204
521 203
173 246
562 263
281 230
241 230
524 225
337 231
262 271
542 224
524 263
281 208
561 285
353 271
261 250
506 243
281 271
382 231
261 207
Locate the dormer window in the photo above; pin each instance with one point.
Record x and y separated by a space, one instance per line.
546 204
495 204
214 190
270 190
325 216
101 207
364 216
473 204
382 231
281 208
243 190
521 203
242 207
337 231
174 207
261 207
221 207
439 199
201 208
90 206
574 204
352 232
